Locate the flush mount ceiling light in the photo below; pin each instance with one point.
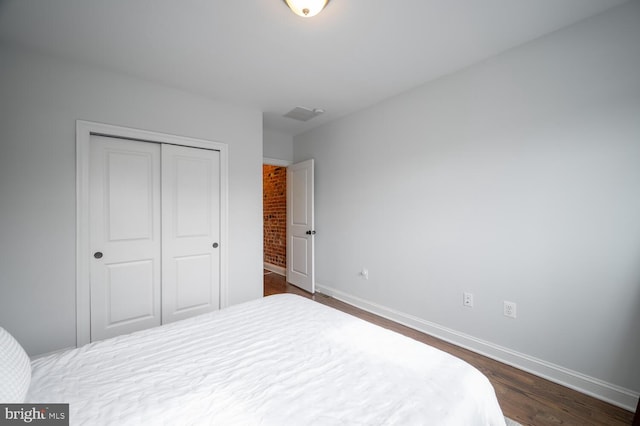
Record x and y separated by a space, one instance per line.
306 8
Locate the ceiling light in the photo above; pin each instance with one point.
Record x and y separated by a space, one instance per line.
306 8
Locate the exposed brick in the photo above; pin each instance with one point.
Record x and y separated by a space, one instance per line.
274 204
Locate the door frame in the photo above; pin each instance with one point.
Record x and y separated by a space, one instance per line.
276 162
84 130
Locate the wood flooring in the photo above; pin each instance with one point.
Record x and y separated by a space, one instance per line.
526 398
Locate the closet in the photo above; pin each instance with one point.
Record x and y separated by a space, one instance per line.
154 233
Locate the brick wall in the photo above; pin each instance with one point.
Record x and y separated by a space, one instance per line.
274 202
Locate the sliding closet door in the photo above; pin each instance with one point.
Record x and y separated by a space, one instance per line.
125 236
191 231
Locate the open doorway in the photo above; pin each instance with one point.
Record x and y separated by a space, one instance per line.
288 242
274 203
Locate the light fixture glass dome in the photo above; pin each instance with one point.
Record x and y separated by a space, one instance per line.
306 8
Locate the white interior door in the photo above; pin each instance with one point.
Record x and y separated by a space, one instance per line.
125 236
300 226
190 231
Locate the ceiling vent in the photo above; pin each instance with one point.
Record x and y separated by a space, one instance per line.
303 114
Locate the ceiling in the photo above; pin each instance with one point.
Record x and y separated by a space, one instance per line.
257 53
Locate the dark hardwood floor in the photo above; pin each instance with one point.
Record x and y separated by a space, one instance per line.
523 397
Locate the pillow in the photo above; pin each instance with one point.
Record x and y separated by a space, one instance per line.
15 369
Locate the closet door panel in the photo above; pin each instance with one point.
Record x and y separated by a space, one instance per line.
191 187
193 276
125 236
130 292
191 230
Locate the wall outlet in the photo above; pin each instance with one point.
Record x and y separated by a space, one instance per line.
364 273
509 309
467 299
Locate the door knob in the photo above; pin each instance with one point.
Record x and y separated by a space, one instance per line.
215 245
311 232
97 255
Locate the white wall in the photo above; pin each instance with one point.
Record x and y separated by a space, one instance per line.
277 145
515 179
41 99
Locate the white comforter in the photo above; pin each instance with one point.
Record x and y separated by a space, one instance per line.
282 360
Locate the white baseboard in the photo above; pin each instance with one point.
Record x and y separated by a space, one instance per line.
591 386
276 269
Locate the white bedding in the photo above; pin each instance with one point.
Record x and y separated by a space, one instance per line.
281 360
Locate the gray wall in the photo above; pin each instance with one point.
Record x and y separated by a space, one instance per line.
277 145
515 179
41 99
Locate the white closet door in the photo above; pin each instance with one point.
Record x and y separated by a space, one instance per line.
124 236
191 231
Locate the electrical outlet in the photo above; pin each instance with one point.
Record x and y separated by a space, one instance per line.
509 309
467 299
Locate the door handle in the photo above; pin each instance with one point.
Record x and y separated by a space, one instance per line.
311 232
97 255
215 245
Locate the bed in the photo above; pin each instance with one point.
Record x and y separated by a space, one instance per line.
281 360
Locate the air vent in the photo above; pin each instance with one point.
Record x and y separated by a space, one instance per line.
303 114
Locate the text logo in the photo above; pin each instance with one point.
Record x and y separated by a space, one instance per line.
34 414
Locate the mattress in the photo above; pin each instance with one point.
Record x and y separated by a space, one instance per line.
281 360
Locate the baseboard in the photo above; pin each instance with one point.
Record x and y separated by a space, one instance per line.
275 269
591 386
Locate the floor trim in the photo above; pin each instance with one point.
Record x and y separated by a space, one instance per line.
276 269
591 386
